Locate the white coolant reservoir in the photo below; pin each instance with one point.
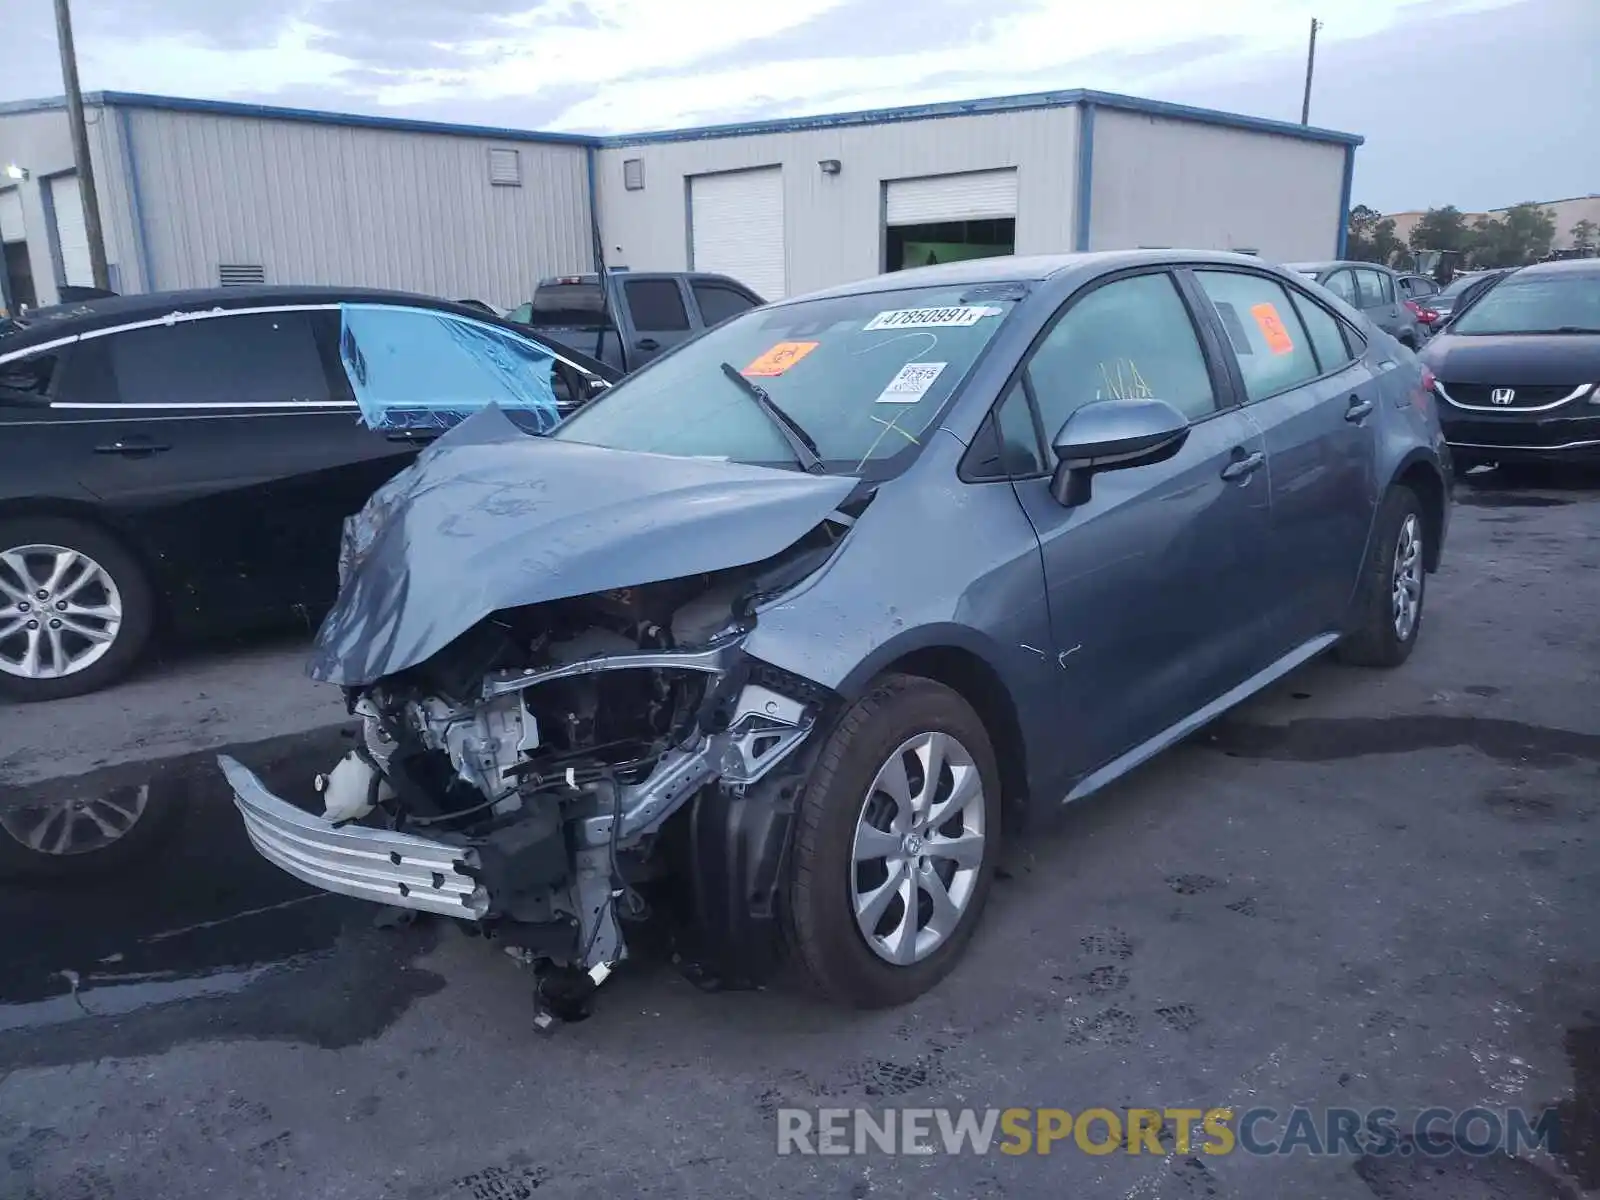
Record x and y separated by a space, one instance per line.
347 790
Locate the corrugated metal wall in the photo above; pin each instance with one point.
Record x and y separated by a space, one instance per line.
1165 182
41 142
835 222
329 204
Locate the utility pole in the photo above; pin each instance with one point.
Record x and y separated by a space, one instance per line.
1311 62
80 148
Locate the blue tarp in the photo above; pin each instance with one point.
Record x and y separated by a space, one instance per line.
417 368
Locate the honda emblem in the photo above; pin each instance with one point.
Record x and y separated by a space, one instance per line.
1502 396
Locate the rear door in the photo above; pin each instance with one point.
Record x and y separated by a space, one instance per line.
230 447
1378 300
1315 402
655 313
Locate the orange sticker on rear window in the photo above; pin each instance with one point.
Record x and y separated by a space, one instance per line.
1278 339
780 358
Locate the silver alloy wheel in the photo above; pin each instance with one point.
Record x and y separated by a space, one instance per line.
1406 585
60 611
919 844
76 825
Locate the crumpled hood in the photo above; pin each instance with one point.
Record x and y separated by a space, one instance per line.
489 517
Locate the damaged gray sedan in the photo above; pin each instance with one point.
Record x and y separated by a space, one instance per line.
805 613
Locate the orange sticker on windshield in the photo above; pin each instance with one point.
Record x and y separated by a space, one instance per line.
1278 339
780 358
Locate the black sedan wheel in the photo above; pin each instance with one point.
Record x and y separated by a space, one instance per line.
75 608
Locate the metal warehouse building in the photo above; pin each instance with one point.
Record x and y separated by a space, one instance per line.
197 193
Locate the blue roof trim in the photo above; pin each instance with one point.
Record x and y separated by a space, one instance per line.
966 108
1085 199
876 116
1344 200
310 116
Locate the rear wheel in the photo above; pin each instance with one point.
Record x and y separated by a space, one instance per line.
898 834
1388 615
75 608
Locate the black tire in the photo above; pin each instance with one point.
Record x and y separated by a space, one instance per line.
144 837
1373 639
828 946
138 605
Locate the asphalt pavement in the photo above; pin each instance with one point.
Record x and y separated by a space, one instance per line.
1364 889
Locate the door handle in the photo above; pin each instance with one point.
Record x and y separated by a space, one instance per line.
1243 468
412 435
647 344
134 447
1358 409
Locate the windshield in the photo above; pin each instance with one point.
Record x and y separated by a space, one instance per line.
1460 284
863 377
1536 304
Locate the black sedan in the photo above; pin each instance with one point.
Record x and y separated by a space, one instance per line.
186 460
1518 368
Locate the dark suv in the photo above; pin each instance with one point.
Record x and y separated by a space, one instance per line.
186 459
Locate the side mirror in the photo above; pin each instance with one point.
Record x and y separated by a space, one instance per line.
1108 435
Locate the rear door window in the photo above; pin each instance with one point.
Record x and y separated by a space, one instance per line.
718 302
1377 289
1343 285
656 305
250 361
1268 339
1326 333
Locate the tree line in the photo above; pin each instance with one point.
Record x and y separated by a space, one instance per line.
1521 234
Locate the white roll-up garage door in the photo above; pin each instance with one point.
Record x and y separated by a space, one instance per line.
736 228
71 236
11 227
972 196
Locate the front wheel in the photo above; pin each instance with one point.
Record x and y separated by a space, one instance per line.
898 835
1388 613
75 608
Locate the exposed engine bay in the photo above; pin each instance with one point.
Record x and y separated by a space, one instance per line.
553 744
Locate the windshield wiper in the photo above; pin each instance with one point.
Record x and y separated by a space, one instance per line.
801 443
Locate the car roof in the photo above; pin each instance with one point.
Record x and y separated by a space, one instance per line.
1317 268
1035 268
65 320
1566 266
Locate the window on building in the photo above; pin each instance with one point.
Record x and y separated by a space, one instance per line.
1268 340
258 358
656 305
1127 339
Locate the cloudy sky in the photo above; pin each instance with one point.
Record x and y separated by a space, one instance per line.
1479 103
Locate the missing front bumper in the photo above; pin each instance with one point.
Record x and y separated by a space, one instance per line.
397 869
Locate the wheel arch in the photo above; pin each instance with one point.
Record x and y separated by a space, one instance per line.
1423 476
961 659
80 510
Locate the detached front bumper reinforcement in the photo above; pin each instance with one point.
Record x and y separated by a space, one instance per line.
397 869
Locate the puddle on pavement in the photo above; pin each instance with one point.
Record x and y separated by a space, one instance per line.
199 936
1332 739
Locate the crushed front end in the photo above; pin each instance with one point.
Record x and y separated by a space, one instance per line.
524 778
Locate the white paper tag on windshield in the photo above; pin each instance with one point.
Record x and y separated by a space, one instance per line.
931 318
909 385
